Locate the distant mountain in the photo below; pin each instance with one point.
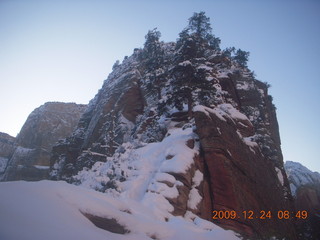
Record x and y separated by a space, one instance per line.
27 157
185 129
305 186
299 175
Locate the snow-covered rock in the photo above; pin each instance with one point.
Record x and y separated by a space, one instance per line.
186 132
299 175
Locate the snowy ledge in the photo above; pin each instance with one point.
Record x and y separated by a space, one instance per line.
222 111
227 111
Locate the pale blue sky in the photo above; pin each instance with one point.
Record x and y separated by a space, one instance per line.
63 50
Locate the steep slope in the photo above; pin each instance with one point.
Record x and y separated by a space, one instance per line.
30 157
236 162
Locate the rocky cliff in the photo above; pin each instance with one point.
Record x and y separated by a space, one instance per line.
187 132
28 155
305 186
299 176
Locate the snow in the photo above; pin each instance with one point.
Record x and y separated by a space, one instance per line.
233 113
194 198
148 180
280 176
41 167
201 108
210 78
95 179
164 190
227 111
197 178
53 210
222 111
206 110
223 73
185 63
245 85
94 153
219 94
41 211
152 160
219 113
126 127
249 141
147 172
160 177
205 67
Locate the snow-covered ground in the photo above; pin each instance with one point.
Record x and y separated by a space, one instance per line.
53 210
139 202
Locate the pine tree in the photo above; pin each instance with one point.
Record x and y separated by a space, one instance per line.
197 37
191 86
154 57
152 49
182 86
200 28
199 23
189 81
242 57
116 65
214 42
186 48
229 52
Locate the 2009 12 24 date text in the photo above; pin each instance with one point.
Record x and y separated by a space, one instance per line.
263 215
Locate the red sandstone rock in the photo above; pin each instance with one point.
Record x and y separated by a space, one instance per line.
240 178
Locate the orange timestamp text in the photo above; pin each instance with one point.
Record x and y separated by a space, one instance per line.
249 215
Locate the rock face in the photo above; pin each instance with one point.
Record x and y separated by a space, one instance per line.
236 161
299 175
237 175
238 148
308 199
48 123
305 186
29 156
7 147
